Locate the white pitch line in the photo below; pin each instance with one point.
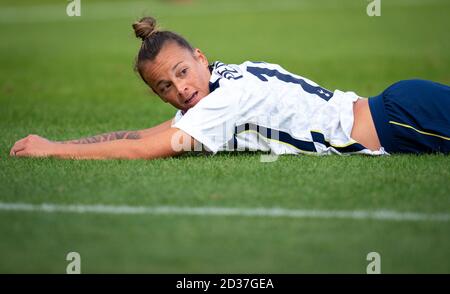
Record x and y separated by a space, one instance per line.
390 215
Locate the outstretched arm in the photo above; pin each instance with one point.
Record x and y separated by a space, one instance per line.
131 135
166 143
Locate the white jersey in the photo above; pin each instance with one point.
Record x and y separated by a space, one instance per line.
261 106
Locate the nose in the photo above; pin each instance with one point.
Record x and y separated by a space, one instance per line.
182 89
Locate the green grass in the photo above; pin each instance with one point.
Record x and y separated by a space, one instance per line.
64 78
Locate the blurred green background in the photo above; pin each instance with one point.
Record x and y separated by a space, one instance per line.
69 77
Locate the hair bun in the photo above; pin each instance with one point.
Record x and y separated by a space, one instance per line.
145 27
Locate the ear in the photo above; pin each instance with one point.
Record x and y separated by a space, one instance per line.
198 54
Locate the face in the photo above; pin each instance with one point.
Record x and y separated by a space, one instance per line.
178 76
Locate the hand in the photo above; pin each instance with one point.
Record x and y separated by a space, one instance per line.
33 146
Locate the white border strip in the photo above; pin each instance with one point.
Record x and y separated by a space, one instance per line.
390 215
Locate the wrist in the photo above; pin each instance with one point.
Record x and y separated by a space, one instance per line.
59 149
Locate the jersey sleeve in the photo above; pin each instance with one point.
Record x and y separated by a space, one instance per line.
213 119
177 117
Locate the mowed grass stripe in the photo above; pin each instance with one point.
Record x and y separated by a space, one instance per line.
389 215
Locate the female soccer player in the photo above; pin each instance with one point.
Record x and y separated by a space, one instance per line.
260 106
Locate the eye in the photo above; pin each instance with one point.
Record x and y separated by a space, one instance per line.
165 87
183 71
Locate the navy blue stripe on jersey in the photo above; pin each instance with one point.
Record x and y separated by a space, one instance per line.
213 86
259 72
277 136
320 138
284 137
227 71
232 143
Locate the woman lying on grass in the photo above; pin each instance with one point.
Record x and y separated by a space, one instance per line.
260 106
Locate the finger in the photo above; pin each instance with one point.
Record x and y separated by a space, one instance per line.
19 146
16 149
20 143
21 153
12 152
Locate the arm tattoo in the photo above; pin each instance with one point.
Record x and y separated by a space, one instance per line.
105 137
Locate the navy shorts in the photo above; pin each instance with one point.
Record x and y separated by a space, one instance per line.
413 116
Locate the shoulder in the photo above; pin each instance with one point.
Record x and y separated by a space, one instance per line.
227 79
241 73
220 70
237 76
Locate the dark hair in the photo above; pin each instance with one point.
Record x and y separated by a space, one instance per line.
153 40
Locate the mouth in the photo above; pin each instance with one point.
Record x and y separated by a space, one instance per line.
191 100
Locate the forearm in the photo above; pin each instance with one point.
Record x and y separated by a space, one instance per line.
119 135
170 142
117 149
156 146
